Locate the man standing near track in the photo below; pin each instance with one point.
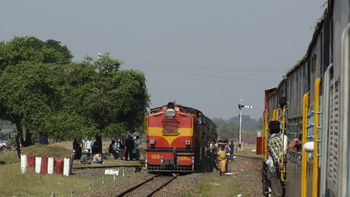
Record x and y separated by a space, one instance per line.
88 146
232 150
275 148
129 144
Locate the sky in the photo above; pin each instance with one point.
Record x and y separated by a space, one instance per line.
203 54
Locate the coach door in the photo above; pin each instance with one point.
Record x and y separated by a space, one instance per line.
344 121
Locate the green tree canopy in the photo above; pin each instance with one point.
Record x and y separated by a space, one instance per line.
27 96
228 131
71 100
31 49
112 102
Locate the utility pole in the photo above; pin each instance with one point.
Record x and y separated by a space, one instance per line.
240 106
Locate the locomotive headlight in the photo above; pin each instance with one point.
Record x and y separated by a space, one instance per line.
170 113
187 142
152 141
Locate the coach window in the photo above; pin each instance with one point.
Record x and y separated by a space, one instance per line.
313 63
308 75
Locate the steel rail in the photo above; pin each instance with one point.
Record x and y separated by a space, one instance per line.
154 191
136 186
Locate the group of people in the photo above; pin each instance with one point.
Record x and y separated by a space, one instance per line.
91 147
222 152
127 149
42 138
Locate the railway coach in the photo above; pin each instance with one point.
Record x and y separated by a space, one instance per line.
178 139
312 104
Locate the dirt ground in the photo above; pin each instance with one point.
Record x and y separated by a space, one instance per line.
249 174
246 176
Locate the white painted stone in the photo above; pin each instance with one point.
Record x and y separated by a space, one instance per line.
24 163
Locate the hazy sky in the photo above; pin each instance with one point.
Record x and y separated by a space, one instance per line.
204 54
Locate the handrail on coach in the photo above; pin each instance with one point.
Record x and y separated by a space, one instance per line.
283 121
316 136
305 122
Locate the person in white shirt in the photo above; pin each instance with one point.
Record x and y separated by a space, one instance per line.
88 146
137 148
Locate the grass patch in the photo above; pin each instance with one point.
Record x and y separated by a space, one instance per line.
9 157
41 150
13 183
31 184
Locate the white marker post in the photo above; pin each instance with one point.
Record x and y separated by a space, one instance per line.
50 165
24 163
38 165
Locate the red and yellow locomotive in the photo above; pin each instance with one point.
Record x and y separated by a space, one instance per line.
178 139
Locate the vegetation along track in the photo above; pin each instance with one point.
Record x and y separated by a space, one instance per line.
149 186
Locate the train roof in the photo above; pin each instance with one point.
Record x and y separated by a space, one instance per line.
176 105
326 14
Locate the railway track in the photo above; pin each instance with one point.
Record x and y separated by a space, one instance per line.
148 187
251 157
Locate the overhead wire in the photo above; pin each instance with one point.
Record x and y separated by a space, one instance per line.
232 67
156 68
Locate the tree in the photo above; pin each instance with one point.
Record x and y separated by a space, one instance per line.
102 100
41 93
31 49
117 100
247 123
98 100
227 131
218 122
26 98
25 95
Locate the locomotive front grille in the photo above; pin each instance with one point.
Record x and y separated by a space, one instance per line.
166 168
168 162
